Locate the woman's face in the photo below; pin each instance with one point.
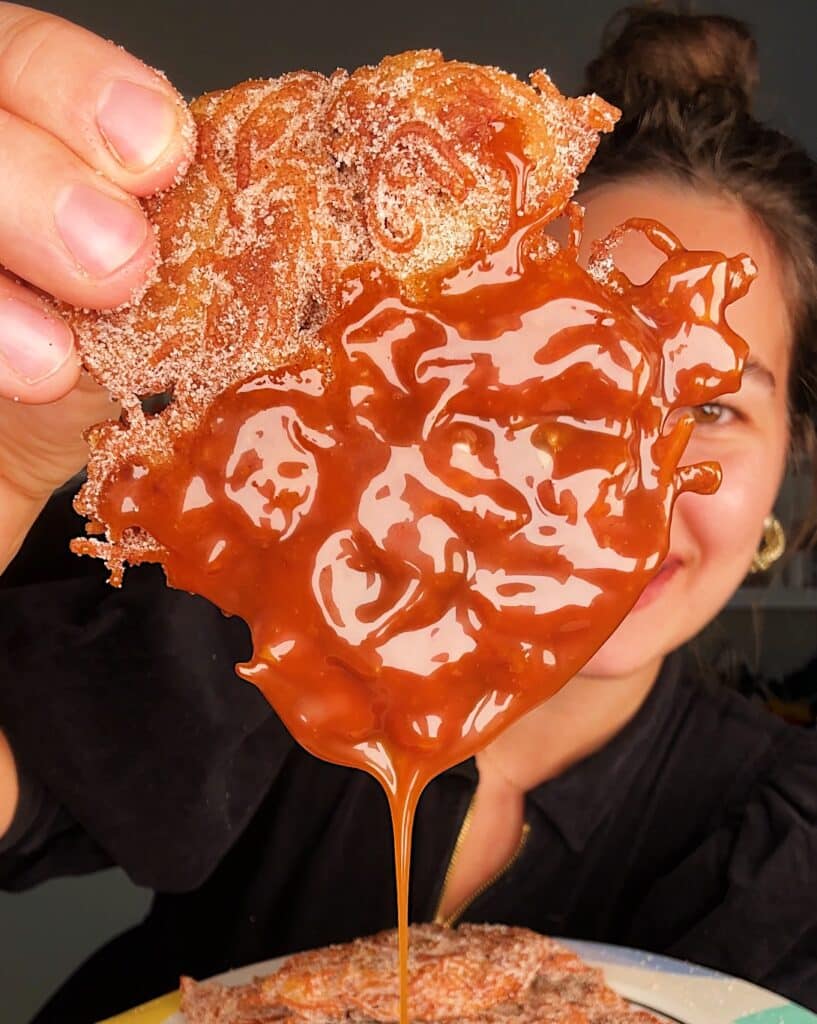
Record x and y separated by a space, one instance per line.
713 537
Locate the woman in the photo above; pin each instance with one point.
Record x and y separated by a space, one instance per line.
639 806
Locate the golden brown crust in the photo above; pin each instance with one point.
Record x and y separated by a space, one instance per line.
295 180
477 974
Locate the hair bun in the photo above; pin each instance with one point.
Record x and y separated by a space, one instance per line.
650 56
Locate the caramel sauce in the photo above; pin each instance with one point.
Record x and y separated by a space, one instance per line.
432 535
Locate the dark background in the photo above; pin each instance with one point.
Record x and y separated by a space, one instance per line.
209 45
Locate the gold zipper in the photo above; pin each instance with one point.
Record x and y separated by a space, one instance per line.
463 832
451 920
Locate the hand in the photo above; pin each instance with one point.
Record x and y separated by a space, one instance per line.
86 128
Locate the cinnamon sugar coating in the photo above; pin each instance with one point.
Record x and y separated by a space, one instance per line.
295 180
476 974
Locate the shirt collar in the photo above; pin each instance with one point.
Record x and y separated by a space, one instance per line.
580 798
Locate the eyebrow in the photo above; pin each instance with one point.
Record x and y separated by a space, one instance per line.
759 372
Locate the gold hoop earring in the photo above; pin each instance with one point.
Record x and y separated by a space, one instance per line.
771 547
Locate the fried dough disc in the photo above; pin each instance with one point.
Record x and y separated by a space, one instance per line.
476 974
295 180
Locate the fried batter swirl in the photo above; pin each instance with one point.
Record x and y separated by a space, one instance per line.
295 180
482 974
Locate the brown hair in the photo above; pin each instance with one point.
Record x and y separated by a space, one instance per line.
685 85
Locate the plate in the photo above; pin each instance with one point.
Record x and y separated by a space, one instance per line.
680 992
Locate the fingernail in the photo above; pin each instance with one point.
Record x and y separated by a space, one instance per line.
137 123
101 233
33 344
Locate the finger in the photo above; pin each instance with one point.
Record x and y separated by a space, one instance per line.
65 228
113 111
38 359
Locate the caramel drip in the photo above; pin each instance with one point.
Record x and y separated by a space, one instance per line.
432 538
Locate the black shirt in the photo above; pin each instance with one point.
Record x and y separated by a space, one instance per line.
692 833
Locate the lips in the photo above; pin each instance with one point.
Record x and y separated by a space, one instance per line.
671 565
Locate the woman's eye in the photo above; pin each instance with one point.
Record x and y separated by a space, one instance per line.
712 412
709 414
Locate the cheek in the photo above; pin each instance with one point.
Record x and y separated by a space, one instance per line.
723 528
716 535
